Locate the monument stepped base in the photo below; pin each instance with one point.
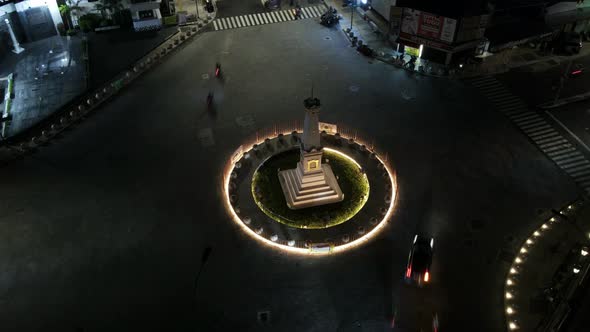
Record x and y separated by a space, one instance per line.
307 190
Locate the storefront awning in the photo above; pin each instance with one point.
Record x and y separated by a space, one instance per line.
558 19
507 35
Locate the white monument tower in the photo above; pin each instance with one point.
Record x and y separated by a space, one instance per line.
311 183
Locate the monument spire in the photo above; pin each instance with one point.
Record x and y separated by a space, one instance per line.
311 131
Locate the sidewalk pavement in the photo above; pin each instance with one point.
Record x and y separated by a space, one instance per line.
190 8
542 278
49 74
61 119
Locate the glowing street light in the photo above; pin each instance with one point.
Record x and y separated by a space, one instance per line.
512 326
508 295
518 260
576 270
584 251
512 270
509 282
509 310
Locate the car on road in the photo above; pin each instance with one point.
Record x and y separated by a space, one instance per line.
568 43
419 260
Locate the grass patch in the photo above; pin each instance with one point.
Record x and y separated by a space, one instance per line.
352 181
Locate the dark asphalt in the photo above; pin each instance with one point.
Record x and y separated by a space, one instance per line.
104 229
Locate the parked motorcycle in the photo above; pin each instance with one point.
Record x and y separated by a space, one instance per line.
330 17
209 6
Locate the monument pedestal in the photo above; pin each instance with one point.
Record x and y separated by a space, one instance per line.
305 190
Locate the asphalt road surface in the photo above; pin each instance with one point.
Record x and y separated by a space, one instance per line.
103 230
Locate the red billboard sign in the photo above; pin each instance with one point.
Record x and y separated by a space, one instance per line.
427 25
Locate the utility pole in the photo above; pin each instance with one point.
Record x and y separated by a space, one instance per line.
204 259
352 3
562 80
197 5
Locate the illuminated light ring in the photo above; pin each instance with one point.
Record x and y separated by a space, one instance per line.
307 251
508 309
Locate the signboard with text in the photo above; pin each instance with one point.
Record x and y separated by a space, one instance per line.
427 25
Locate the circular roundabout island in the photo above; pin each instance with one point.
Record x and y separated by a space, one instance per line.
269 196
256 202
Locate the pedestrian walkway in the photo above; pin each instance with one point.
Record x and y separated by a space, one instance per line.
242 21
553 144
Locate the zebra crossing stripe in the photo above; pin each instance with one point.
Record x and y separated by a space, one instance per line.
512 110
584 178
526 120
231 22
523 117
572 161
481 85
578 173
547 136
532 123
215 25
290 15
501 95
558 147
284 15
275 16
553 143
535 129
243 21
309 13
316 10
566 158
562 154
254 18
552 139
542 132
270 18
507 102
579 170
496 90
574 164
487 83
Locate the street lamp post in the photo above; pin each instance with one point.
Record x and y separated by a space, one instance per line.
352 3
197 5
562 80
204 259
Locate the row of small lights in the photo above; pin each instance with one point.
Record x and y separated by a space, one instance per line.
509 295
